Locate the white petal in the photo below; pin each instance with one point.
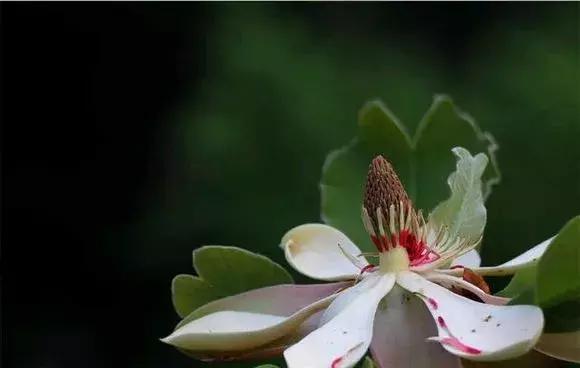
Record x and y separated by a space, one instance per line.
564 346
470 259
475 330
345 298
402 324
251 319
528 257
315 251
343 341
448 281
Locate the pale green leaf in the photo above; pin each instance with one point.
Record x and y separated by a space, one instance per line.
224 271
422 163
464 212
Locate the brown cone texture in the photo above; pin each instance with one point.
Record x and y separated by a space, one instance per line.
383 189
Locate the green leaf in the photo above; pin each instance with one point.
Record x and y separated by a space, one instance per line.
558 277
520 284
443 127
553 282
223 271
234 270
267 366
564 317
464 212
422 163
189 293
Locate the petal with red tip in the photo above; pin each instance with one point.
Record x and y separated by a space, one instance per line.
343 341
474 330
402 324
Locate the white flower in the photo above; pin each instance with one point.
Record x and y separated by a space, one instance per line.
402 308
383 311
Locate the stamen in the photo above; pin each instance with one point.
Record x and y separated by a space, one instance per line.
391 221
367 222
401 214
354 260
381 229
369 254
367 268
392 216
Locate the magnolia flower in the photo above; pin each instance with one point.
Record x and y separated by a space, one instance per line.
407 309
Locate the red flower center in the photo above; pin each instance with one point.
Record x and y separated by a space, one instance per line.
416 248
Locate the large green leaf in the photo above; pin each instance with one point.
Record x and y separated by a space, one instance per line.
223 271
422 163
521 283
558 278
464 212
553 282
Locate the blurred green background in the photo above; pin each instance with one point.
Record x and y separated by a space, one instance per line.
262 93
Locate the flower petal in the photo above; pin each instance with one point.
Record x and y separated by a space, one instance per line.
344 299
564 346
475 330
528 257
251 319
343 340
470 259
448 281
315 251
402 324
269 350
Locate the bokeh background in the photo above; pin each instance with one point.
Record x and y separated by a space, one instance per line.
134 133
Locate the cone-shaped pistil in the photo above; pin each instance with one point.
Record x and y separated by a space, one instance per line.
383 190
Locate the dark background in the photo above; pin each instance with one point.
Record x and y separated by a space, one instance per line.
133 133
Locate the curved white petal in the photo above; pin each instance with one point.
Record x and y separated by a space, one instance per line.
251 319
402 324
470 259
448 281
345 298
564 346
269 350
343 341
528 257
475 330
315 251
